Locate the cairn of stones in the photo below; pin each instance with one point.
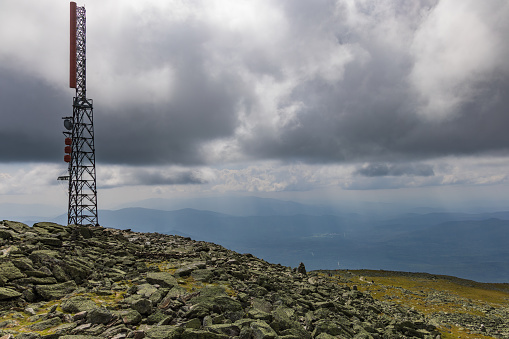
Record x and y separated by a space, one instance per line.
93 282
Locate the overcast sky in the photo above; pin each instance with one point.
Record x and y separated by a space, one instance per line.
292 97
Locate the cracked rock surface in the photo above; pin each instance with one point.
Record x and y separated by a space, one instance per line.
88 282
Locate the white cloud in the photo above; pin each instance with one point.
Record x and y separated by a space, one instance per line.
34 39
460 45
28 179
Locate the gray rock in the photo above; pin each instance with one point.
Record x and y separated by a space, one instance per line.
56 291
24 264
5 235
28 336
7 293
99 315
193 323
191 333
10 272
200 310
156 317
164 332
163 279
59 274
204 275
143 306
78 304
146 290
131 317
301 269
329 327
253 313
325 336
45 324
186 270
51 241
261 330
231 330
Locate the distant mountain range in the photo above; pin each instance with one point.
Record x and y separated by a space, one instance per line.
471 246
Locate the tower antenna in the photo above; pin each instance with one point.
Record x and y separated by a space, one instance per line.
80 149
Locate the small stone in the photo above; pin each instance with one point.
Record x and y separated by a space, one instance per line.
80 315
30 311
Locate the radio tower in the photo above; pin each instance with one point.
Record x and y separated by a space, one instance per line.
80 131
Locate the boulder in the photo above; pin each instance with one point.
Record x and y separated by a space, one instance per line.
99 315
6 235
51 241
329 327
10 272
163 279
146 290
204 275
188 269
231 330
301 269
131 317
55 291
45 324
143 306
261 330
23 263
164 332
78 304
7 293
191 333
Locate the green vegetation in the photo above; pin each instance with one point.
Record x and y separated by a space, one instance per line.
432 295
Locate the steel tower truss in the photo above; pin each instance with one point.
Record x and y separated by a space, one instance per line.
82 175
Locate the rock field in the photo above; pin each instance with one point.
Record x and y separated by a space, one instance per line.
93 282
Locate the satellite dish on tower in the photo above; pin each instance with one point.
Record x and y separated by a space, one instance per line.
68 124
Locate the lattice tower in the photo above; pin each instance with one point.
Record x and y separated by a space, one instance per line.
82 207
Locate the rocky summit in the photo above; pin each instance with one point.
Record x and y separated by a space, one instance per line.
93 282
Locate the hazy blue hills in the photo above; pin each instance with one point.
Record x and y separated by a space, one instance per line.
467 245
236 206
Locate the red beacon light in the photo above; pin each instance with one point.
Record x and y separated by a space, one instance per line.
68 150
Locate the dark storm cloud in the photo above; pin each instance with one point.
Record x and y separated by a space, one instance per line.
372 114
323 82
384 169
30 112
363 125
201 107
152 177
